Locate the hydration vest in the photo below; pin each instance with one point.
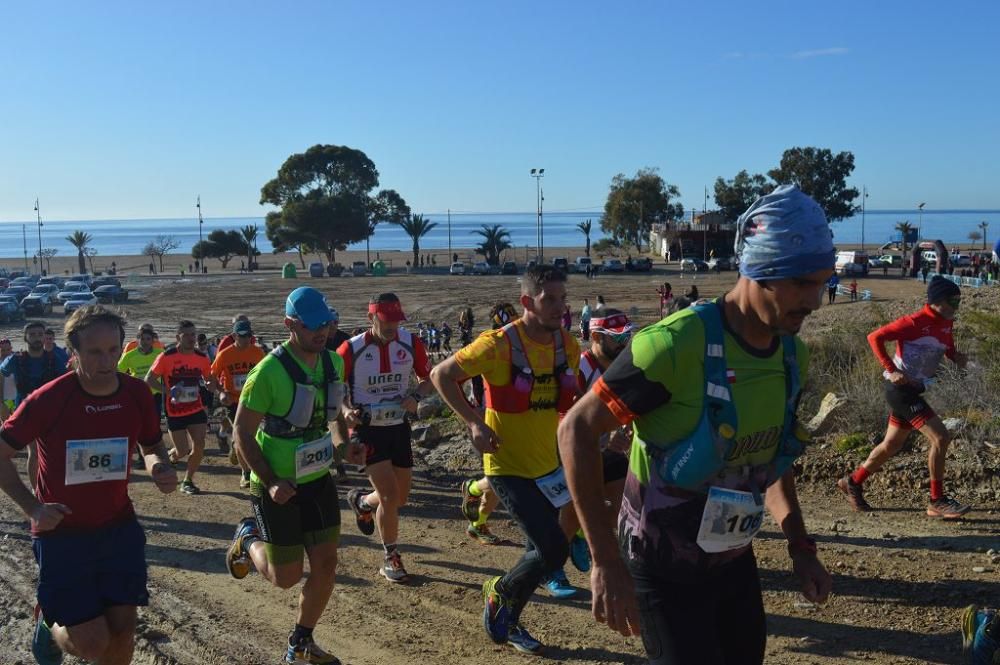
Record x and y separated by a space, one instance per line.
295 424
24 383
590 369
515 397
694 462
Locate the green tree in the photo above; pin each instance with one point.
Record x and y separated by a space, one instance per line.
905 228
416 226
81 240
585 227
221 245
633 205
734 196
324 200
975 237
249 233
823 176
496 240
283 238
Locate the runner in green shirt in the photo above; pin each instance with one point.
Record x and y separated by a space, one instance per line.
711 393
289 404
136 362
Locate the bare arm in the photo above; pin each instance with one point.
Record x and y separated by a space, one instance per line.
45 516
154 382
445 377
613 596
783 504
244 432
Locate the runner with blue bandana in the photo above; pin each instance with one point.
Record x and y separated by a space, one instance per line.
711 393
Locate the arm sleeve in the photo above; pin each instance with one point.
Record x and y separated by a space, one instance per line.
123 364
217 368
159 365
256 392
627 387
26 424
421 366
878 338
479 357
344 351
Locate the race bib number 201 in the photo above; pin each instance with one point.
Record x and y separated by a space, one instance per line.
313 456
96 460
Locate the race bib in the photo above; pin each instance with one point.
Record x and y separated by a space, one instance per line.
387 413
730 521
96 460
186 394
313 456
239 380
554 488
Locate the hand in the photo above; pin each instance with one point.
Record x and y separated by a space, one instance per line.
281 491
165 477
898 379
613 597
47 516
352 417
620 440
409 405
484 439
814 579
356 453
225 399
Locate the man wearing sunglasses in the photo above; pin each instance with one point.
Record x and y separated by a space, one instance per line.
921 338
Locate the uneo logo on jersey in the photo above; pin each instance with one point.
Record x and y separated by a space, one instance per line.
388 377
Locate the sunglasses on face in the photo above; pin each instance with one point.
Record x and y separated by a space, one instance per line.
322 326
621 338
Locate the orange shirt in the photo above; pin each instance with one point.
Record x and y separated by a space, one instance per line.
157 344
232 365
182 374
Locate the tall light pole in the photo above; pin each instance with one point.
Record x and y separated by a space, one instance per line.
864 195
449 237
538 174
24 237
201 222
920 222
38 214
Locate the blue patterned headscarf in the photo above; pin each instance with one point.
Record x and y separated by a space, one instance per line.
782 235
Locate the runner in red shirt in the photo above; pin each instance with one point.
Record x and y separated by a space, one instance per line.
921 340
90 548
179 373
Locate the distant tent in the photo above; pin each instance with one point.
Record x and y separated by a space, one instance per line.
288 271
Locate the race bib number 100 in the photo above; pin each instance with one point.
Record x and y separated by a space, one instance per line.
96 460
730 521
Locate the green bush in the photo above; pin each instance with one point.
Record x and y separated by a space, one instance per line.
851 442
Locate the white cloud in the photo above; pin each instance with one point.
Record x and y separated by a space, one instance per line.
821 52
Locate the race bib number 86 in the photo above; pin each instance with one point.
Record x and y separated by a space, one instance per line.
96 460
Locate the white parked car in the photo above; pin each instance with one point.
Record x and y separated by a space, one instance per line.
70 289
457 269
79 300
481 268
581 263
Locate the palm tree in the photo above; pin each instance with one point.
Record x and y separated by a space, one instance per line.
585 229
984 225
905 228
496 240
249 233
416 226
81 240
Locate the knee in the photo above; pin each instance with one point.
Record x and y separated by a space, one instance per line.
940 441
324 566
91 645
388 500
286 578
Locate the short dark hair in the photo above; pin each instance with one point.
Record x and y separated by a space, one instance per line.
50 331
31 325
536 277
184 324
88 316
383 297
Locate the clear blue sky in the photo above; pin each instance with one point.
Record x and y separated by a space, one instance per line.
125 110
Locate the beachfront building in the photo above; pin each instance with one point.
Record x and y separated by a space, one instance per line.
702 236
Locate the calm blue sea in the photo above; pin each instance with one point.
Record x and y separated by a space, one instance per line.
128 236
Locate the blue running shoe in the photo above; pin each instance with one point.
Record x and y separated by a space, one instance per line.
579 553
496 612
521 639
309 653
558 586
980 635
43 647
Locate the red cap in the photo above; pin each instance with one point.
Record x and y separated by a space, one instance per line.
387 311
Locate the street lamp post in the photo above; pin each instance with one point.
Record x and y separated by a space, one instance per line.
38 214
864 195
201 222
920 222
24 237
449 236
538 174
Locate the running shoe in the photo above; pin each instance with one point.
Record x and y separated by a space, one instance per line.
482 534
43 647
245 480
855 494
558 586
579 553
237 559
308 652
496 612
980 635
947 508
392 569
233 459
521 639
470 504
364 518
188 487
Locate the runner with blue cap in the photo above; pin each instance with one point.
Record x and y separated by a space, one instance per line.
711 394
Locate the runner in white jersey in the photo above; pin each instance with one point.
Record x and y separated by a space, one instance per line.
379 364
610 333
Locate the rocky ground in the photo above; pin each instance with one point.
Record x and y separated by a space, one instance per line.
900 578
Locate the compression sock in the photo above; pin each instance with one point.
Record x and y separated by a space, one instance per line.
937 489
860 475
299 635
481 520
474 489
